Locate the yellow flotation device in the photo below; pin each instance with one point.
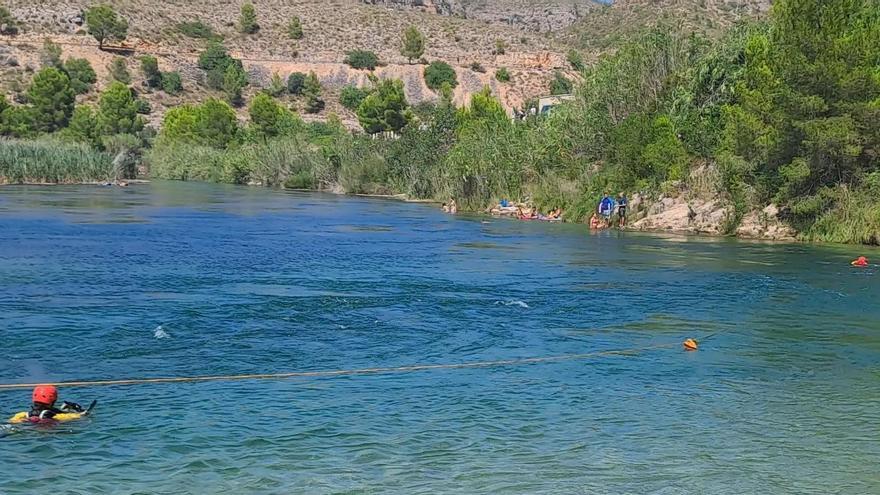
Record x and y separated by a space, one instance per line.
23 417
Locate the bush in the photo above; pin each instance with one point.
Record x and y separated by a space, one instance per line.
247 22
361 59
8 23
119 71
295 83
276 86
478 67
50 55
352 96
197 29
576 60
502 75
294 29
150 68
500 47
560 85
82 75
171 83
312 92
234 81
439 73
143 106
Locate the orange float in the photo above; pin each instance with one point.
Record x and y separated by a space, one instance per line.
860 261
690 345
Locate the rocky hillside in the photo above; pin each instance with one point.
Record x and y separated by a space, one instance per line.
476 37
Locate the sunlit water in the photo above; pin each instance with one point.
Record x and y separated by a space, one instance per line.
183 279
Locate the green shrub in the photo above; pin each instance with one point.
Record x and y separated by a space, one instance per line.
276 86
8 23
385 109
413 44
171 83
351 97
439 73
150 68
500 47
361 59
478 67
295 83
575 59
294 28
247 22
82 75
143 106
50 55
502 75
560 85
119 71
118 111
312 93
197 29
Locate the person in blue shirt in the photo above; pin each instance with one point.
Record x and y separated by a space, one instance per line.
606 208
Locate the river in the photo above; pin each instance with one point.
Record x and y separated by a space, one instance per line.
177 279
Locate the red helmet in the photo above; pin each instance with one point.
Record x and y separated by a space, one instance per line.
46 394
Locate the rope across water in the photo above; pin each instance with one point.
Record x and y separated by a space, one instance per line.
349 372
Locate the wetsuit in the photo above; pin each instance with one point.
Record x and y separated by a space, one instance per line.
42 411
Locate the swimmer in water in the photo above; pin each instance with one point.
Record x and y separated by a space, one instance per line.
44 399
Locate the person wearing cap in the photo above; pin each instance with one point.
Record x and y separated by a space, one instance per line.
43 408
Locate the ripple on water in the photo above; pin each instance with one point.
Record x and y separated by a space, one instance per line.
780 398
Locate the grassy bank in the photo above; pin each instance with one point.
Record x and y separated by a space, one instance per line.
52 162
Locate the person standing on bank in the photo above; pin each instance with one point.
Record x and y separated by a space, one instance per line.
622 204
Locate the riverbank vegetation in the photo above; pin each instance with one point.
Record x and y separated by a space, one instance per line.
785 111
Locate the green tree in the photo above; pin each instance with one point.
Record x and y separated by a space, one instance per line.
276 86
234 81
50 55
52 99
215 61
215 123
82 75
247 22
560 85
385 109
171 83
295 83
104 23
294 28
361 59
152 74
118 70
269 119
82 127
439 73
118 111
312 93
412 44
351 97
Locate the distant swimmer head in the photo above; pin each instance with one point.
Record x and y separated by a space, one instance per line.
690 345
46 395
860 261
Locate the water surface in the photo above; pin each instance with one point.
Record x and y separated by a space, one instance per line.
783 398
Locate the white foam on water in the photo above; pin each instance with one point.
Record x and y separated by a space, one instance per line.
160 333
521 304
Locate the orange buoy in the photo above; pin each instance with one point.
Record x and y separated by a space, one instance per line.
690 345
861 261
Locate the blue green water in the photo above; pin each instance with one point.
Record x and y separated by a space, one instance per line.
784 399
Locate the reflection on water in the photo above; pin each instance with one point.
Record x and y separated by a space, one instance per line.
781 398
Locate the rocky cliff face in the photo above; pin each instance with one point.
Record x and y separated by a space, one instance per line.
534 15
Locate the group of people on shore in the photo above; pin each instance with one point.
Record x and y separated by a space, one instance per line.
525 211
605 210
